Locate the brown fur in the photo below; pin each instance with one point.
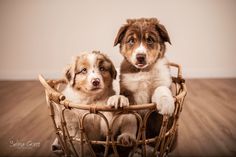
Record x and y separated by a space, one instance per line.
148 31
79 90
78 79
153 36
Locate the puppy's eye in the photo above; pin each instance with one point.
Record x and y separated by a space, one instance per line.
102 69
149 40
83 71
131 41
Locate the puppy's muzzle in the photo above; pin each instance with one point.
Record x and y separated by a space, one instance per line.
141 58
96 82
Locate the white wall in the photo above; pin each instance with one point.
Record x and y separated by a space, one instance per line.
40 36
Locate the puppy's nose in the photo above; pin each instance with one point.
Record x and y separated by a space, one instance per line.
141 57
96 81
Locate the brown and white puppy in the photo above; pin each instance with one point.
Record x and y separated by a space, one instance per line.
145 74
90 78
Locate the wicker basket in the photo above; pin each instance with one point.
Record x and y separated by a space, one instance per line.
161 142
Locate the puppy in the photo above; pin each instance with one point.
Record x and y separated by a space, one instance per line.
90 79
145 74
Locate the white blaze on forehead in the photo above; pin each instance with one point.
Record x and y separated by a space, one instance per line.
141 49
92 71
93 75
92 58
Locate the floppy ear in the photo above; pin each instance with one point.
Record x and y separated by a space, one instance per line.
68 73
120 35
113 71
163 33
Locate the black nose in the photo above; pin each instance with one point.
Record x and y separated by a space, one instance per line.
141 58
96 82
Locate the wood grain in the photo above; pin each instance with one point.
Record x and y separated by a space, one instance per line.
207 124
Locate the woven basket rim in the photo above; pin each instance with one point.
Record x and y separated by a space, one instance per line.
54 95
164 139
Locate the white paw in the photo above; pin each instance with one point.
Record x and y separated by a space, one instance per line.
165 105
126 139
164 100
118 101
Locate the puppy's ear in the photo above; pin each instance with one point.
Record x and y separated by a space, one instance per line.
163 32
68 73
113 71
120 35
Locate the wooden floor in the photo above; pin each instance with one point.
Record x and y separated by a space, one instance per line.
207 123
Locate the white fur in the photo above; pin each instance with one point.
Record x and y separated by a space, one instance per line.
71 94
117 101
79 97
144 84
125 125
93 72
139 50
92 58
164 100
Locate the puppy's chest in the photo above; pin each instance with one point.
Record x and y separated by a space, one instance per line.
141 85
136 81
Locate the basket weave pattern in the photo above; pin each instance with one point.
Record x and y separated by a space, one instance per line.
162 142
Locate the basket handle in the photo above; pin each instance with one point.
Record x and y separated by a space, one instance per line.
52 94
179 69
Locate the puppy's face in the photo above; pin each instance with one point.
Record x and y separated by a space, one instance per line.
142 41
91 73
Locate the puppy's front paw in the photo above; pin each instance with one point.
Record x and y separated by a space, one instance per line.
165 105
126 139
118 101
163 98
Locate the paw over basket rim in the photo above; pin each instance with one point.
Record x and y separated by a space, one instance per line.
60 98
53 95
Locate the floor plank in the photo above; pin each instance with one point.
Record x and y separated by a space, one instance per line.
207 125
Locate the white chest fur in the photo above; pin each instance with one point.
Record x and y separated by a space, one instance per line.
142 84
